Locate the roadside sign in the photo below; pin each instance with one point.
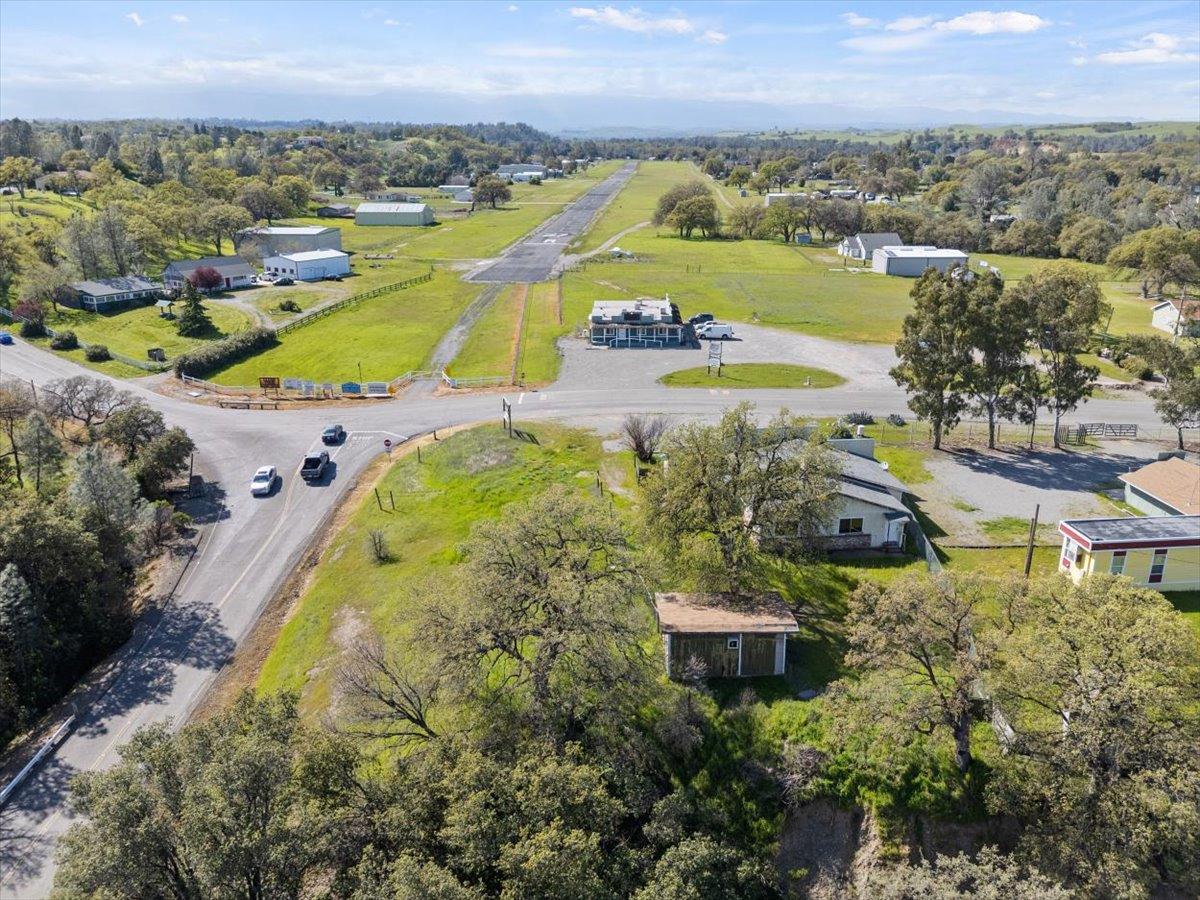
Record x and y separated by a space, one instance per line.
387 444
266 382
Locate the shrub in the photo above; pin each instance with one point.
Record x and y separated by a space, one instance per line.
64 340
897 420
289 306
1137 367
377 543
209 358
33 329
860 418
97 353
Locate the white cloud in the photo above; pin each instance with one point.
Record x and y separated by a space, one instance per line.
180 18
985 22
854 20
633 19
896 42
512 7
712 36
530 51
909 23
391 23
135 19
1155 48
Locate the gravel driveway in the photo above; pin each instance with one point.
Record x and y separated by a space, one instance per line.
996 484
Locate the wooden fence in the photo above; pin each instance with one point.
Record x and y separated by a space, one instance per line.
303 320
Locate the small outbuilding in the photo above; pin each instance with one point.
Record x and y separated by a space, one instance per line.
335 211
724 635
1169 487
864 244
1176 317
393 214
1162 552
912 261
312 265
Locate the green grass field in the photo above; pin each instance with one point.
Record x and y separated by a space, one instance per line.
133 331
540 360
754 375
466 478
387 335
492 343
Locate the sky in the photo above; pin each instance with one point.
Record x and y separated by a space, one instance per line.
578 66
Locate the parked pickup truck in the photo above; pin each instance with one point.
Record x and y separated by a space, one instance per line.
314 465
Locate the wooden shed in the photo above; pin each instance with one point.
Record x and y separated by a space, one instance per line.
732 635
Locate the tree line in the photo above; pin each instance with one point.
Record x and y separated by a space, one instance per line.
83 478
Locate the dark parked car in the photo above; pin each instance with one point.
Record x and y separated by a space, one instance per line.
701 318
284 281
314 465
333 434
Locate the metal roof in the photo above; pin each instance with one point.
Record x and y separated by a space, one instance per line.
226 265
309 255
1134 530
902 252
103 287
392 207
281 230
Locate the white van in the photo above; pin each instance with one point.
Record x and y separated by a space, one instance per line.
715 331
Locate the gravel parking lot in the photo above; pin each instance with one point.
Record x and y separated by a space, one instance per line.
864 366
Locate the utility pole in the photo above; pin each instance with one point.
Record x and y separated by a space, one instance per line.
1033 523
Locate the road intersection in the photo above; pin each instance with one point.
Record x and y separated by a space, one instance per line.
249 546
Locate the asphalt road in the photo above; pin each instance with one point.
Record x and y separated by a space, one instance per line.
249 545
535 256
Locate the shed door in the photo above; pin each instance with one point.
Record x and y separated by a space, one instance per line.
758 654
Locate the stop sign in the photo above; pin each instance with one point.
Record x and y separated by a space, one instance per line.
387 443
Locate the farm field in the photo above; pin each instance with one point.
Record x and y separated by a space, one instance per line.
754 375
389 335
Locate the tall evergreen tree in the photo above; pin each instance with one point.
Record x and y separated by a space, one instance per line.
193 320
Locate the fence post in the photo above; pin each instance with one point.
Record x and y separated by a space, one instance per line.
377 499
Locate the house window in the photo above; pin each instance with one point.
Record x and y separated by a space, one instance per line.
1157 563
1117 567
732 643
850 526
1070 550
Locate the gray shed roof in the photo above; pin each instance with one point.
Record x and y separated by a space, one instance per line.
874 240
104 287
875 498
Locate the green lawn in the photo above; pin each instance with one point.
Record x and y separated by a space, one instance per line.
38 206
388 335
539 361
492 343
469 477
906 463
754 375
1000 561
1188 603
133 331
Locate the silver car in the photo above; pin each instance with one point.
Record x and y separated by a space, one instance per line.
263 481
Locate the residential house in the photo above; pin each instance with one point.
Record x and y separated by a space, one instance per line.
335 211
1169 487
864 244
911 262
112 293
724 635
393 196
644 322
272 240
773 197
393 214
308 265
1162 552
1165 316
871 514
235 272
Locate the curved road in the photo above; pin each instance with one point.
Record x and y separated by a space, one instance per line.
249 546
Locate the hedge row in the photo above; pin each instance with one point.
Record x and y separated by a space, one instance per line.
209 358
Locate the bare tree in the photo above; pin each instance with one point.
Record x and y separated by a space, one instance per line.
642 434
88 401
379 547
16 402
388 702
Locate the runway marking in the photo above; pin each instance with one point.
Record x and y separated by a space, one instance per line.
521 399
542 398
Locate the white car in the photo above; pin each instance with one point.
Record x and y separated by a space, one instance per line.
263 481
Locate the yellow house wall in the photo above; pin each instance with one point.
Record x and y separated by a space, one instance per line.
1181 573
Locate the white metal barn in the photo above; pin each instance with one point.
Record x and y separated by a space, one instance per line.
911 262
393 214
312 265
276 239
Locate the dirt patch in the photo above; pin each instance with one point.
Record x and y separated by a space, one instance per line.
488 459
243 671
